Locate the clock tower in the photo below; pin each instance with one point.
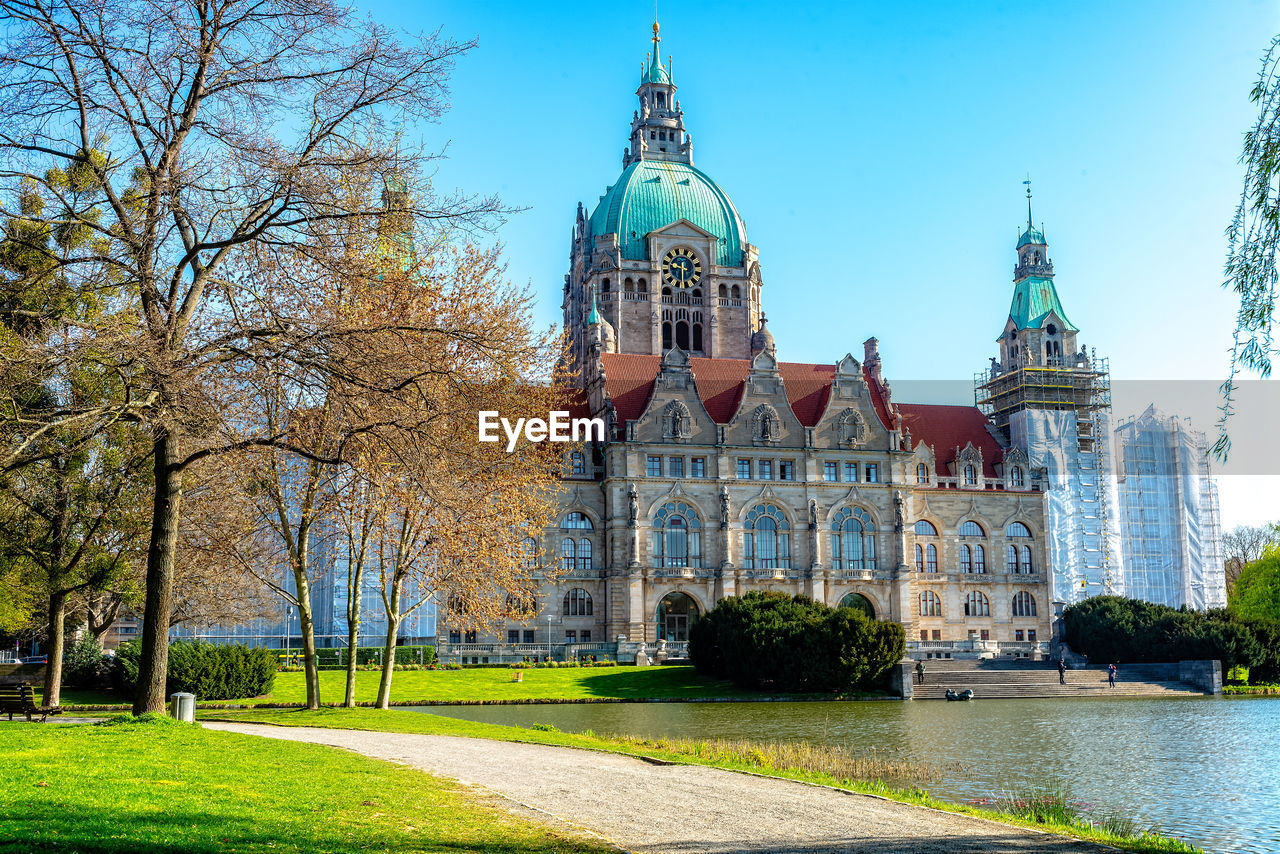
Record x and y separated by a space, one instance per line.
664 250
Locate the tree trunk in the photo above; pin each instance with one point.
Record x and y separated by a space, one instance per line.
389 646
355 581
153 664
306 623
57 643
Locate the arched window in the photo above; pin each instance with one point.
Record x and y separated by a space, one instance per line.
584 553
577 603
980 560
1024 605
604 286
858 602
924 528
722 292
1019 477
930 604
977 605
697 337
529 549
971 529
676 539
970 475
736 293
677 612
853 539
522 607
666 335
922 473
577 521
629 285
1011 559
578 462
919 558
568 553
1026 560
766 542
1017 529
966 559
931 558
682 335
642 286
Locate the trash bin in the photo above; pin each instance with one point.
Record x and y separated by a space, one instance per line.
183 708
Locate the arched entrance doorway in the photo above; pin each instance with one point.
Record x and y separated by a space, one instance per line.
676 612
860 603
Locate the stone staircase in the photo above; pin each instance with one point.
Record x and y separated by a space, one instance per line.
1003 679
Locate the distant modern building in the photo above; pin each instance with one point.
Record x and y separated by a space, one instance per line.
1172 535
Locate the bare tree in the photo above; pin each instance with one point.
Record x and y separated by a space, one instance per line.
1244 544
210 128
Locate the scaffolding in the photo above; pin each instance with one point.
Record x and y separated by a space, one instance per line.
1083 387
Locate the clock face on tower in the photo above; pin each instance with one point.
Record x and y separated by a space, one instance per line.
681 268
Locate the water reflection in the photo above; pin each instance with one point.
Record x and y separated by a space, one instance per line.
1199 767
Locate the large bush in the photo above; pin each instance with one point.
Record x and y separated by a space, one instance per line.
792 643
84 666
1113 628
210 671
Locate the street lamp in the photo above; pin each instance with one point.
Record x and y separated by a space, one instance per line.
288 633
549 640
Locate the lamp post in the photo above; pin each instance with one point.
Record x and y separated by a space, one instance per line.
549 640
288 633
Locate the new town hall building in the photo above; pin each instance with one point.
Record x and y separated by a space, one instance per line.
726 469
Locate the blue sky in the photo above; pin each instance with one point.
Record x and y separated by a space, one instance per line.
876 152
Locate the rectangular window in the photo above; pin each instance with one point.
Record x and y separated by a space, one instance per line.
924 634
786 470
937 634
654 467
513 636
570 636
1017 635
1031 635
764 469
471 636
830 472
873 473
455 636
986 634
744 469
851 472
697 467
528 636
586 635
675 466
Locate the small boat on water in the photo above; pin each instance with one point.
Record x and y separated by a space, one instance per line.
966 694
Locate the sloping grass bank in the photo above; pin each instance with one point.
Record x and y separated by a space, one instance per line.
160 786
870 774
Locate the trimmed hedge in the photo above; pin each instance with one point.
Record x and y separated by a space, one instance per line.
371 654
792 643
210 671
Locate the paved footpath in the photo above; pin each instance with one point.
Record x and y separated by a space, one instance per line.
645 807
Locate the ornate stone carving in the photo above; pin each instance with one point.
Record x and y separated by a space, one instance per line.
851 428
677 422
765 424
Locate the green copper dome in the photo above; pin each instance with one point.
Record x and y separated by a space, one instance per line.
652 194
1031 235
1034 299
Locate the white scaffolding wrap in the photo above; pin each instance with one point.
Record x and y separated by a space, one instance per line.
1172 536
1082 514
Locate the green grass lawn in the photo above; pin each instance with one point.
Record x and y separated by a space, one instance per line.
737 756
168 787
490 684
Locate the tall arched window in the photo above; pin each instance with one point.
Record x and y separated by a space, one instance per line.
577 521
697 337
1019 478
931 558
604 286
924 528
578 462
977 605
1017 529
980 560
972 529
966 559
666 335
628 285
642 286
577 603
922 473
568 553
930 604
736 292
1024 605
766 541
853 539
529 556
584 553
1026 560
919 558
970 475
1011 559
676 540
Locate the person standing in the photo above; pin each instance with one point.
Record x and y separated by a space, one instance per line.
920 671
1111 675
1062 671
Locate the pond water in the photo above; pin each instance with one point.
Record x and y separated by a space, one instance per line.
1203 768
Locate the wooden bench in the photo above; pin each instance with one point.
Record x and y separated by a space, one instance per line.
21 700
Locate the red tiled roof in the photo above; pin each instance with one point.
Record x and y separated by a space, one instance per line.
945 428
576 402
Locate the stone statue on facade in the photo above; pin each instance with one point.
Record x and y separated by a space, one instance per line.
633 505
813 515
724 507
899 517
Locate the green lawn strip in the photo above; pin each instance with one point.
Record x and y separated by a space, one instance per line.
1251 689
491 685
423 723
168 787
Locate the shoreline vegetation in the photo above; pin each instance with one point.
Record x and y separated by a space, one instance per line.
1051 809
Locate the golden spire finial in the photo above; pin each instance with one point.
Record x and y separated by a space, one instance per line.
656 37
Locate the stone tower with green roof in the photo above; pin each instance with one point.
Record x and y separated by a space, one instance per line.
664 249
